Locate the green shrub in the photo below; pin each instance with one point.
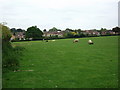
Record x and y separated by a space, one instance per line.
10 55
6 34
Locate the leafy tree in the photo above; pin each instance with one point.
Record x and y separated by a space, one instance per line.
116 30
70 34
44 30
58 30
69 30
6 34
13 30
10 56
34 32
83 35
102 29
79 30
20 30
53 29
73 33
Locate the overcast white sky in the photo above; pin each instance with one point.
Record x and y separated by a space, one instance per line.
62 14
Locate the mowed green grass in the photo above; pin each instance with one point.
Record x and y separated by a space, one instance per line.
64 64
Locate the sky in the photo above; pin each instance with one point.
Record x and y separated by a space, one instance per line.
62 14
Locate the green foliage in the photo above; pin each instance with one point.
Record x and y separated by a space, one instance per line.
70 35
54 37
116 30
44 30
10 55
73 34
20 30
69 30
14 30
6 34
53 29
9 58
103 29
78 30
34 32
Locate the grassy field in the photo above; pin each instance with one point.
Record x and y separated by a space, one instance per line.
64 64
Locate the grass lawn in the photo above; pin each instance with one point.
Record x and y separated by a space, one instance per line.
64 64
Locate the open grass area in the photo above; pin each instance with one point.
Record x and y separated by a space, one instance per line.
64 64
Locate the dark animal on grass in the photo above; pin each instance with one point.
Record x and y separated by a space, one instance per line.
46 40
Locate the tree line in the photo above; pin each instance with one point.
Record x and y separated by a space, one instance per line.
35 33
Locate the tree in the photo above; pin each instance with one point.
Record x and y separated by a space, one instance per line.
20 30
79 30
102 29
10 56
13 30
6 34
69 30
44 30
70 34
116 30
34 32
53 29
58 30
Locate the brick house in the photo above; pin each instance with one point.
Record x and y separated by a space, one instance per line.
92 32
18 35
107 32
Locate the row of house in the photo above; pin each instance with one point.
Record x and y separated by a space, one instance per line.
21 35
53 33
95 32
89 32
18 35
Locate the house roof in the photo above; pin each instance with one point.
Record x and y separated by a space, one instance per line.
53 32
